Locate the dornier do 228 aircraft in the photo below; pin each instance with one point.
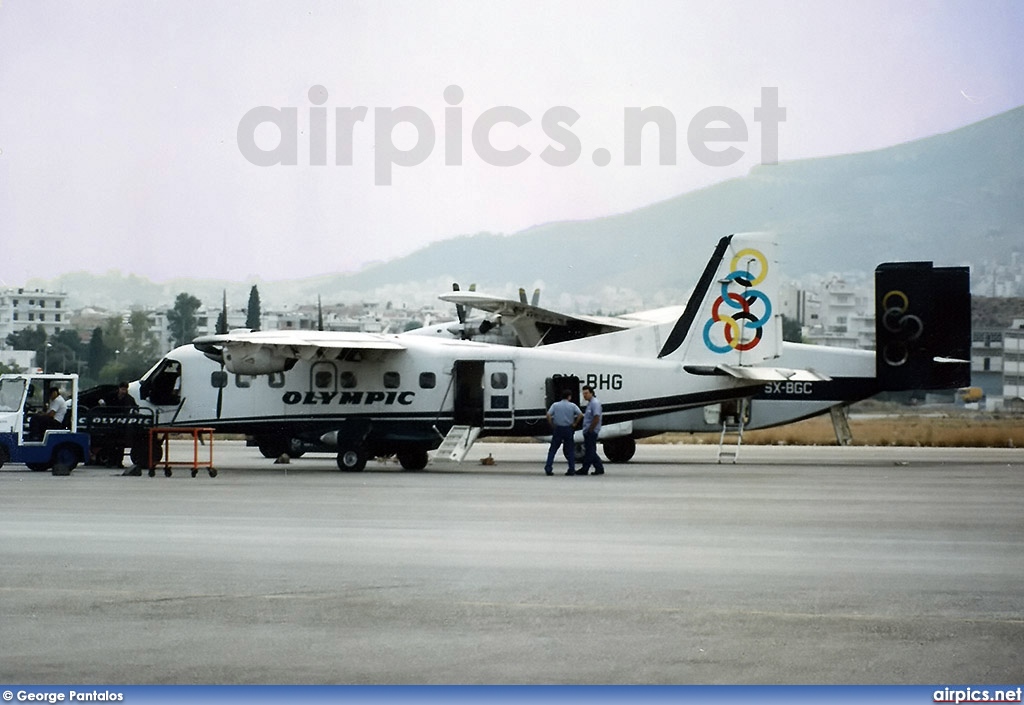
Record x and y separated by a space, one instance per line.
922 323
372 395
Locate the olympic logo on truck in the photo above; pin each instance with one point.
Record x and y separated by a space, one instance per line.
740 306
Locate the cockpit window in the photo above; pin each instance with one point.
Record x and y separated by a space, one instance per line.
162 386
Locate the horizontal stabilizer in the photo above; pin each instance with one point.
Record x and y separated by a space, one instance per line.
759 374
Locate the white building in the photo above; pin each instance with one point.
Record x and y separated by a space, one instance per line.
1013 364
28 308
838 314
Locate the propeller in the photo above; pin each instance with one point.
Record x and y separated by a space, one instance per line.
493 324
462 311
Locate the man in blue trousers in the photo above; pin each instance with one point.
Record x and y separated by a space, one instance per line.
591 429
563 417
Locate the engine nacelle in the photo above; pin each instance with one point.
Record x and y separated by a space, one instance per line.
255 360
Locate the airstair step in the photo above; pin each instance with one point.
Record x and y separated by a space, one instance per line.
456 444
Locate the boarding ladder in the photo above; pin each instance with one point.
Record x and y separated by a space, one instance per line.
456 444
841 424
731 439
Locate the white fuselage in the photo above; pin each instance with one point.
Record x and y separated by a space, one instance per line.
414 396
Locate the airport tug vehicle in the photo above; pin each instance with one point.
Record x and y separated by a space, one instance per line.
58 449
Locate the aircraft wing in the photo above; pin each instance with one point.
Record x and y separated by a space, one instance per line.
511 308
535 325
264 352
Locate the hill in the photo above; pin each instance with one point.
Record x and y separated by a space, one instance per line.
952 198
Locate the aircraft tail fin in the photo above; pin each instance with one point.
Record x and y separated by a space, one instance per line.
729 319
922 326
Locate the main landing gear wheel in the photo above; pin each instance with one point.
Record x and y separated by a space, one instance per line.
352 459
139 454
413 459
276 446
619 450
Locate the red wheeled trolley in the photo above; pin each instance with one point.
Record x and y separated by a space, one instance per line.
161 435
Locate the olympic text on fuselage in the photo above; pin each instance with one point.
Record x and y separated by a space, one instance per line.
353 398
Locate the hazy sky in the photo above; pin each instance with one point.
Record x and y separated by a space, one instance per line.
119 121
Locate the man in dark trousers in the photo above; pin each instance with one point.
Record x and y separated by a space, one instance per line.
124 403
591 427
563 417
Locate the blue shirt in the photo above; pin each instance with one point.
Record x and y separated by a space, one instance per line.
564 413
593 409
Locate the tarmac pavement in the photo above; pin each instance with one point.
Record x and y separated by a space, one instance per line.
796 565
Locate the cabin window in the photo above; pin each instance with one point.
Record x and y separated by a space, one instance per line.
322 379
219 379
392 380
348 380
428 380
276 380
243 381
499 380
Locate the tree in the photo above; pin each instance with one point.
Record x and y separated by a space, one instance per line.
181 320
97 354
252 311
55 353
62 352
121 351
27 339
222 317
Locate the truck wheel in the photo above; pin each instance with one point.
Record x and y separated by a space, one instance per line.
413 459
352 459
65 459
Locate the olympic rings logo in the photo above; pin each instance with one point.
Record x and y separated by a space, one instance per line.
739 305
905 327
